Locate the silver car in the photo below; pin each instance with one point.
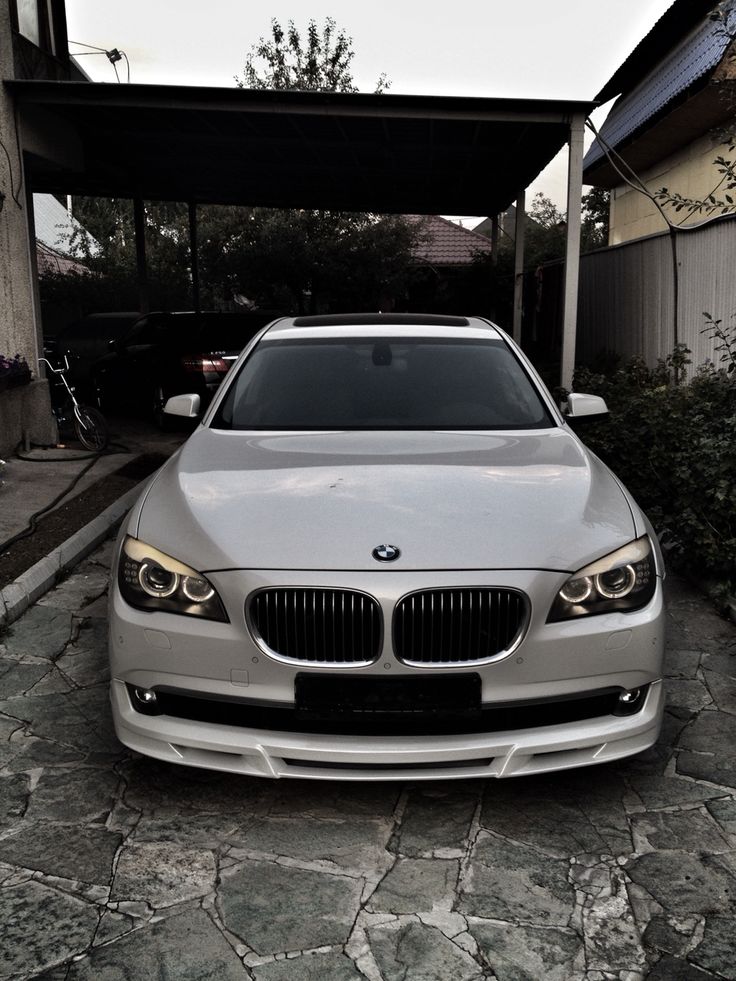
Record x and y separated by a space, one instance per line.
384 553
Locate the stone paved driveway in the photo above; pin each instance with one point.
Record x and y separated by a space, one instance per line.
113 866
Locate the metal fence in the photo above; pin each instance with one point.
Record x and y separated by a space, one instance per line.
627 303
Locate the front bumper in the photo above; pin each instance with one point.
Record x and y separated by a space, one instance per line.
262 753
222 660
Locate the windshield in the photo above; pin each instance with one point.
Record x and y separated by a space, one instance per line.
386 383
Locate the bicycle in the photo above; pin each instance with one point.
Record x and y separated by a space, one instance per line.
87 423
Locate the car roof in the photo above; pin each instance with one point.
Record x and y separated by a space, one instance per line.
382 325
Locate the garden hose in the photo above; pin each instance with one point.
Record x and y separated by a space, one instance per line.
33 520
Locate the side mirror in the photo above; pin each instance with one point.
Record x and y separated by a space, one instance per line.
183 405
579 405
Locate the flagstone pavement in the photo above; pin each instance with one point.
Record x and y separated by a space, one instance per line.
113 866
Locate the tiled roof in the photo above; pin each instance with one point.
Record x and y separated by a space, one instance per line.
50 261
696 56
443 243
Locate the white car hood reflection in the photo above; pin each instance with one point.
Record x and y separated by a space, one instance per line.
324 501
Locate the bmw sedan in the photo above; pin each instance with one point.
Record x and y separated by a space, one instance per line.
385 553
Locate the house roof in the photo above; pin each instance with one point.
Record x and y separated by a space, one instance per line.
51 261
659 87
337 151
54 226
506 224
674 24
443 243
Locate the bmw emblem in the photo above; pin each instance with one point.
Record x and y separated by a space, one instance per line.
386 553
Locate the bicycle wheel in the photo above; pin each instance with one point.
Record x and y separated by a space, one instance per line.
91 428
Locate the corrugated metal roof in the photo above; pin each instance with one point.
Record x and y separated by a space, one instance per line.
54 226
696 56
674 24
386 154
446 244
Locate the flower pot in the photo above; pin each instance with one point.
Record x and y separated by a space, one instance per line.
19 378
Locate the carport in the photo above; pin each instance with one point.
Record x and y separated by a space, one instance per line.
334 151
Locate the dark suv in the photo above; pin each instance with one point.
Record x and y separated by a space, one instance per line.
164 354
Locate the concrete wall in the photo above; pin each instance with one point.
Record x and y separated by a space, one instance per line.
19 323
25 415
689 172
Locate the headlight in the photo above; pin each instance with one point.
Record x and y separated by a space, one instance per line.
151 580
623 580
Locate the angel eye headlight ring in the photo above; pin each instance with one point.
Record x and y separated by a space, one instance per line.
197 590
616 583
150 580
577 590
157 581
621 581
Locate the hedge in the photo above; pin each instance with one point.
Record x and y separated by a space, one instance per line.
674 446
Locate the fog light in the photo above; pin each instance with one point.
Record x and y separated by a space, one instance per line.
144 700
145 696
630 702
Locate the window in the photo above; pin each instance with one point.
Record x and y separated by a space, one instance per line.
28 22
42 23
383 383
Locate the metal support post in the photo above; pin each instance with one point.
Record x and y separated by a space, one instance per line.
194 257
139 222
494 239
572 250
493 305
519 265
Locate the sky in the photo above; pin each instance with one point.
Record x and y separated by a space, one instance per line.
556 49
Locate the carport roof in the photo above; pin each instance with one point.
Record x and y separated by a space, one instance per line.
350 152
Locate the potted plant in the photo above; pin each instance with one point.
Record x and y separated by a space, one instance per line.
13 372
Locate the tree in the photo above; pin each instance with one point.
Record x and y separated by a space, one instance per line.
320 63
596 209
312 260
112 280
546 231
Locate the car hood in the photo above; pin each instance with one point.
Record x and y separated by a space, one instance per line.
323 501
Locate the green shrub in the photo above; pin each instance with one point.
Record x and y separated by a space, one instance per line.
674 446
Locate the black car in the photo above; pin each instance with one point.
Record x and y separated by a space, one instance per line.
164 354
85 341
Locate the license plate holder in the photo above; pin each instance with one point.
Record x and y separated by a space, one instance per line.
435 695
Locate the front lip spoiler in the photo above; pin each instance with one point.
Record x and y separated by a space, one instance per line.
268 754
